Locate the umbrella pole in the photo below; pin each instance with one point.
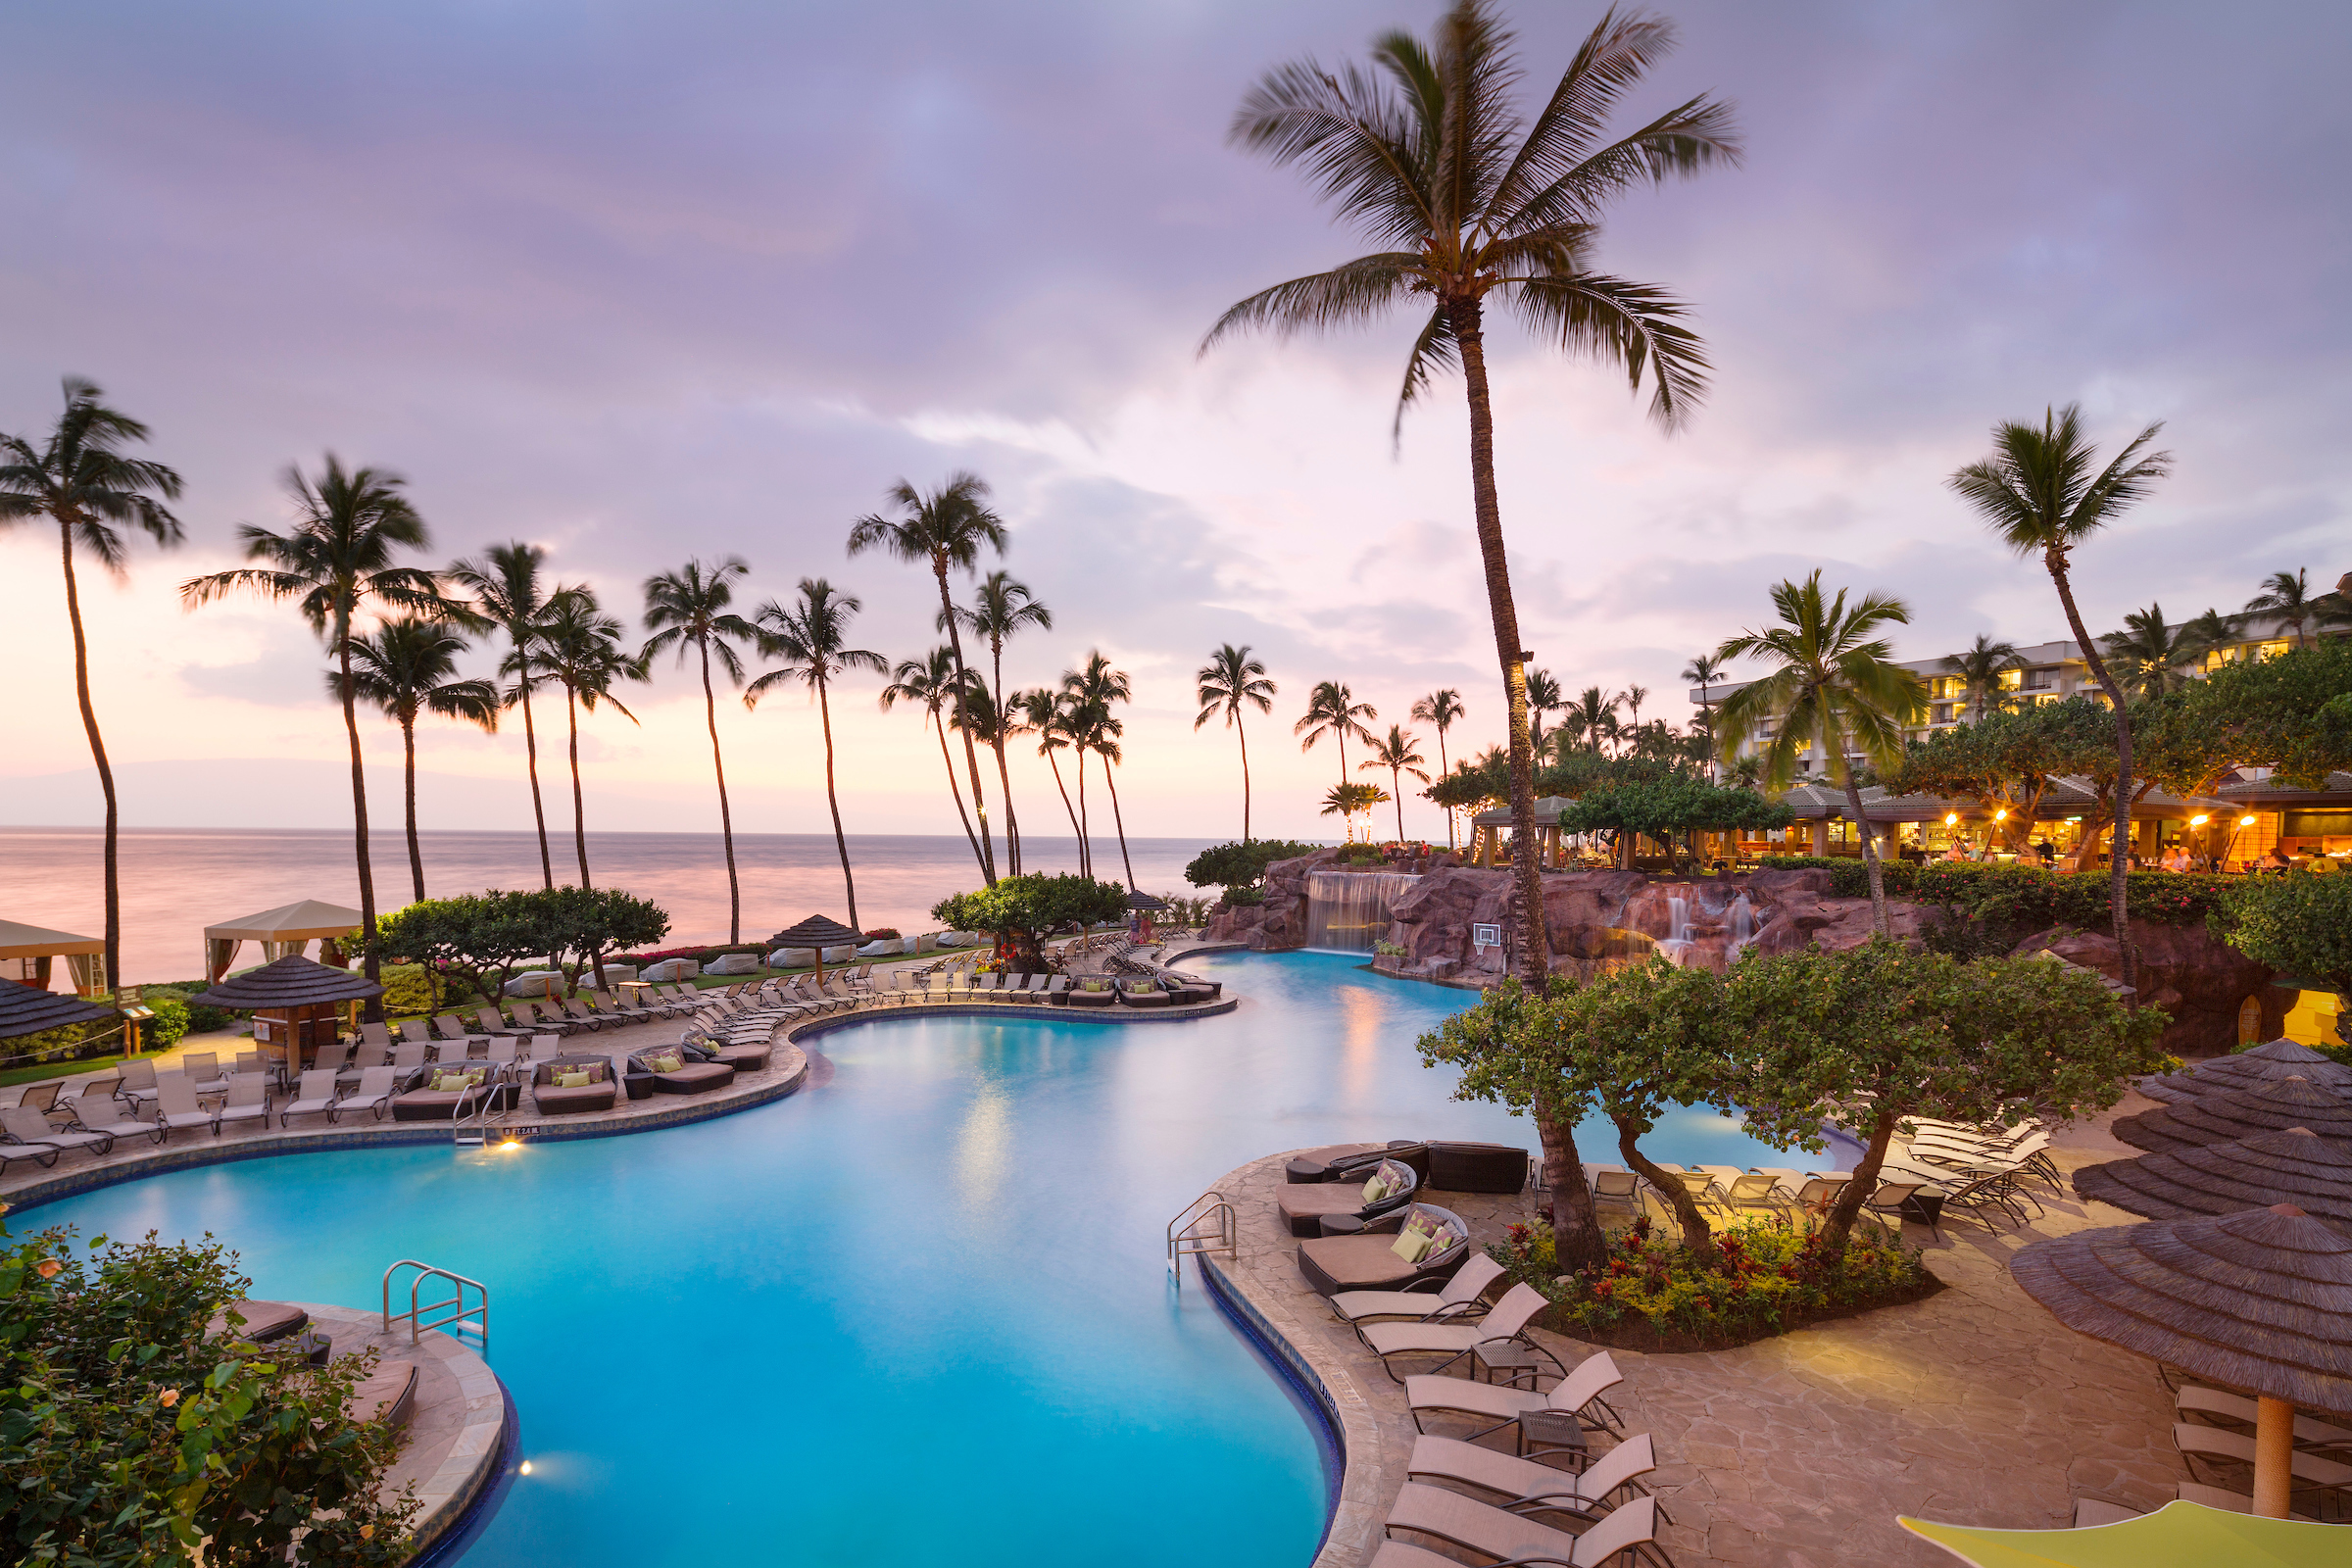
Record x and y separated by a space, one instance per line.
2273 1456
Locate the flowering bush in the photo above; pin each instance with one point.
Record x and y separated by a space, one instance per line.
886 933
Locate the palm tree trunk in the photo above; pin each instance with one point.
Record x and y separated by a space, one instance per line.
996 699
1396 794
1534 960
1110 780
727 821
949 763
971 758
579 806
1443 771
824 713
531 752
1244 736
408 781
359 822
1086 843
2120 846
1870 851
1054 762
113 976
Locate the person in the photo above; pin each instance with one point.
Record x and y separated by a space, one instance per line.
2278 859
1955 852
2177 859
2048 851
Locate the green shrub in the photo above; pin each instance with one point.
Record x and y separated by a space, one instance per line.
169 1026
409 991
1240 898
202 1019
2025 896
2300 924
1241 865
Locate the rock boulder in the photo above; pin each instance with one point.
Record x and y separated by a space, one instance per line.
2203 983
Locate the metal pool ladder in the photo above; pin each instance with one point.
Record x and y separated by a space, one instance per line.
1206 1225
478 1313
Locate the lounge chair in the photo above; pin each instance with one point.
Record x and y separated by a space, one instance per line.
1477 1167
258 1322
501 1056
555 1098
377 1035
120 1122
490 1023
1894 1197
41 1095
453 1092
1614 1184
175 1100
673 1074
1458 1300
336 1059
2218 1447
577 1011
315 1094
388 1395
529 1019
1371 1261
21 1124
1629 1532
137 1082
452 1030
203 1070
1337 1162
409 1060
248 1099
744 1055
13 1149
1058 991
376 1087
1091 991
1591 1491
1505 1323
1302 1206
1751 1189
89 1091
1582 1393
409 1032
614 1010
1144 994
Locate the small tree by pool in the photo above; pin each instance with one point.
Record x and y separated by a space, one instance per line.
1020 911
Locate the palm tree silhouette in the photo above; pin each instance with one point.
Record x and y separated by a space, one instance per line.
1542 697
1440 710
808 637
1397 753
1704 672
80 480
1229 682
1837 686
687 609
1979 671
1092 690
578 646
1593 714
2150 652
1002 606
2288 594
1044 713
1426 152
948 527
1346 801
410 667
2038 493
504 582
931 683
1331 710
334 561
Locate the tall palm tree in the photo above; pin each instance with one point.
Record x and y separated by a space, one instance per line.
2039 495
1398 752
504 582
948 527
1348 800
2208 633
1229 682
335 561
2150 652
810 638
1837 685
2288 594
1425 152
999 608
931 684
1704 672
81 479
1440 710
1632 697
580 649
1542 697
1044 714
408 669
687 609
1092 689
1979 671
1593 714
1331 710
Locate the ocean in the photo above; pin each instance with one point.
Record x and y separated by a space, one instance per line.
176 882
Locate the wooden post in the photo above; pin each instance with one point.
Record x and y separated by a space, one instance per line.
2273 1456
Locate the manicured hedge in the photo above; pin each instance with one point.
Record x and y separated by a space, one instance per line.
2024 894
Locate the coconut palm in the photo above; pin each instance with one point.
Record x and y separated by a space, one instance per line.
810 636
1348 801
1092 690
931 684
1440 710
1836 685
948 527
1704 672
504 582
687 610
1426 153
1979 671
408 669
1593 714
2040 496
1632 697
578 648
1398 752
1044 713
1542 697
1230 681
81 479
2150 652
2288 594
1331 710
999 608
336 560
2207 634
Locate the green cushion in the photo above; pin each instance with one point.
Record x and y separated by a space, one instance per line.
1411 1245
572 1080
666 1063
1375 1190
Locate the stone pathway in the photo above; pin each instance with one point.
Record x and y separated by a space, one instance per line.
1973 1406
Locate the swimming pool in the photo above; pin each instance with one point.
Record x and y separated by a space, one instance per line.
917 1312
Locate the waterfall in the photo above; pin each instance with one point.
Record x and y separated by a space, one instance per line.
1744 924
1349 910
1678 928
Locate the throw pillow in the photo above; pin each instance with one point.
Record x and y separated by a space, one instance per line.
1411 1245
572 1080
448 1083
1375 1190
667 1063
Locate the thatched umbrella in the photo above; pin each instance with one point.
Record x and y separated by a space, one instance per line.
294 992
2281 1058
819 932
2260 1302
2221 1114
2295 1167
31 1010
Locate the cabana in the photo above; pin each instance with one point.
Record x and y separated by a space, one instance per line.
819 932
27 1010
1487 829
33 946
296 1004
288 929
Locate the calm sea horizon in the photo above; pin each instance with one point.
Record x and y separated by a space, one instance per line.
177 881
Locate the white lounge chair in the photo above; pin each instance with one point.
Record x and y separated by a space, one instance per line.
377 1085
203 1070
120 1122
137 1082
248 1099
24 1125
175 1100
1454 1300
1592 1491
313 1094
1499 1533
1506 1322
1581 1393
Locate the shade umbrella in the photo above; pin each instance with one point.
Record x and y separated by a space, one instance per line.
292 990
2267 1063
2295 1167
29 1010
2259 1301
2179 1535
819 932
2221 1114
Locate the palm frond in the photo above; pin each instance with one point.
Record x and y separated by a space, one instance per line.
1634 325
1349 294
1356 142
1435 349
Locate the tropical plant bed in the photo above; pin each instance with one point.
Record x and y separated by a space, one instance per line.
1774 1276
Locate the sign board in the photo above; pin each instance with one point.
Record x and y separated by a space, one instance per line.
1486 936
128 997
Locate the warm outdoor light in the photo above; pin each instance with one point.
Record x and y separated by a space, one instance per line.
2198 821
1951 819
526 1467
2001 815
2245 821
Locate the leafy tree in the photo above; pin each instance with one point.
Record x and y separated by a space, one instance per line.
580 649
2039 496
1440 710
1242 864
1664 808
1981 670
931 684
687 609
504 582
808 639
2300 924
1232 681
589 923
1470 205
82 480
2150 652
409 667
1350 800
2008 759
1331 710
2293 712
1398 753
1002 606
485 937
1022 910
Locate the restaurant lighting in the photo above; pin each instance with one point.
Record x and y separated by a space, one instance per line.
2246 820
1951 819
2199 820
2001 815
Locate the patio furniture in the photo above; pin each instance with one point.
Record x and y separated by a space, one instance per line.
1144 994
454 1091
1581 1393
452 1030
1092 992
553 1096
259 1322
2232 1453
203 1070
1369 1261
1330 1163
406 1060
137 1082
315 1094
532 1021
673 1074
1301 1205
1614 1184
488 1022
744 1055
175 1100
1895 1197
2219 1407
377 1035
577 1011
387 1396
1058 991
1591 1491
248 1100
336 1061
617 1010
1456 1299
1629 1532
89 1091
1477 1167
15 1146
119 1123
376 1087
1453 1343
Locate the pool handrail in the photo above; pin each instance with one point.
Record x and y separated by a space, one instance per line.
413 1316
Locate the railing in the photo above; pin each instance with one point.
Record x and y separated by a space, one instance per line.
1187 1232
478 1313
472 1127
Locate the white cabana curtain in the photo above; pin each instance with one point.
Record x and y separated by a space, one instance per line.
219 954
85 970
272 952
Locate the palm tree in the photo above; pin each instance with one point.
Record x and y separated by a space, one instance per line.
578 646
1002 606
2207 634
2288 594
1230 681
1979 671
931 684
409 667
1092 690
1632 697
505 584
1467 206
1348 801
336 558
687 609
2150 652
809 638
1044 713
1398 752
2038 494
1442 709
1331 710
1704 672
1837 686
80 480
1593 714
1542 697
946 528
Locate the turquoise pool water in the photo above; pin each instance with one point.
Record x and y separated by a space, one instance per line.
916 1314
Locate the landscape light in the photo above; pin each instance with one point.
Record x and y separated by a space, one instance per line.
2246 820
2198 820
526 1467
2001 815
1951 819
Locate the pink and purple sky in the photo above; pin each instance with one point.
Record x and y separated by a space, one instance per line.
639 283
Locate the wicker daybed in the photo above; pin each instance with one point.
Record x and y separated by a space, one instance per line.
1302 1206
1368 1261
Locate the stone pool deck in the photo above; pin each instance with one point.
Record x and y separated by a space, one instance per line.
1973 1406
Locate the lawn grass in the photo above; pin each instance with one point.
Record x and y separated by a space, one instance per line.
32 1071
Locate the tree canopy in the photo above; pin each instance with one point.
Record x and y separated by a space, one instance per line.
2299 924
1242 864
1666 806
1019 909
485 936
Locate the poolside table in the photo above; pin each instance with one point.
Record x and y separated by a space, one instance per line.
1509 1356
1543 1433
